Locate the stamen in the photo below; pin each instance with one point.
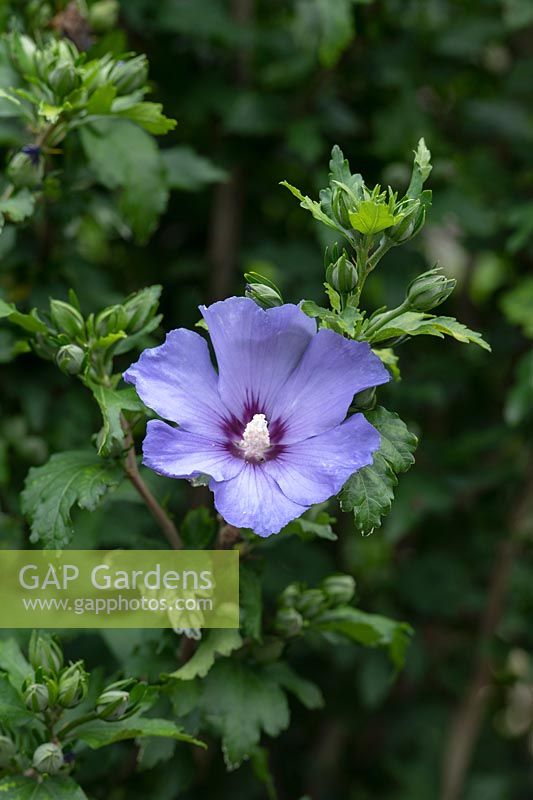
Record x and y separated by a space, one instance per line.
256 438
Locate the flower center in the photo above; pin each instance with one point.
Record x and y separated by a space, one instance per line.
256 438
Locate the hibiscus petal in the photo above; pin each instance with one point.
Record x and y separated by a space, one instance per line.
179 454
254 500
256 351
178 380
314 470
317 395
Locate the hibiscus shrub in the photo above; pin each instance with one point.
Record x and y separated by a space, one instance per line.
269 442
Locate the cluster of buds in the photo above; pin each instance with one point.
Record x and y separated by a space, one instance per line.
52 684
299 606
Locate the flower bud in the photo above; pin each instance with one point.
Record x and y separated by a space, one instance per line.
37 697
339 589
141 307
73 686
8 751
63 79
342 275
67 318
70 358
26 168
429 290
264 296
288 622
113 704
341 207
289 596
366 399
48 758
45 652
110 320
311 602
129 75
23 53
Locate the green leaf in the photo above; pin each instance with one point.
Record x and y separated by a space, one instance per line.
370 491
124 157
218 642
421 169
29 322
305 691
198 529
370 630
371 217
149 116
78 477
13 662
241 702
517 305
417 323
99 733
51 788
50 112
189 171
308 529
12 708
19 206
314 207
112 403
101 100
326 26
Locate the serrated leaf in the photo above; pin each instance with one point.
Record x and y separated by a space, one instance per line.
19 206
517 305
99 733
372 217
149 116
305 691
12 708
417 323
29 322
13 662
77 477
314 207
123 156
370 491
112 403
218 642
370 630
241 703
52 788
190 171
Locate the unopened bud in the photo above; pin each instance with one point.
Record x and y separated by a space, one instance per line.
103 15
341 206
23 53
67 318
37 697
429 290
73 686
339 589
290 595
263 295
110 320
141 307
311 602
366 399
45 652
48 758
113 704
130 75
26 168
8 751
63 79
342 275
288 622
70 358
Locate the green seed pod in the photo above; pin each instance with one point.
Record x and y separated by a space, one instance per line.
288 622
8 751
67 318
342 275
110 320
429 290
45 652
73 685
37 697
70 358
48 758
128 76
311 602
113 704
26 168
339 589
63 79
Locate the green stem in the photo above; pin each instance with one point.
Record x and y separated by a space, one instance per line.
76 723
384 318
